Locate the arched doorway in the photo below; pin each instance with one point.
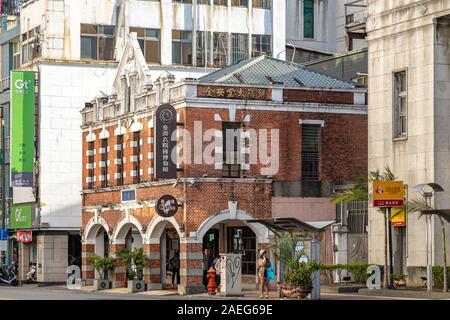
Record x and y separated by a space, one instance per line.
164 234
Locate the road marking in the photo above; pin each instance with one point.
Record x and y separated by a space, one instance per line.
7 298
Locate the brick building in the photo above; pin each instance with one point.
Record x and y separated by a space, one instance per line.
316 134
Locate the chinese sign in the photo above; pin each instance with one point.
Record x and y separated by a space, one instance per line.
234 93
22 128
3 234
21 216
398 217
166 206
388 194
165 126
25 236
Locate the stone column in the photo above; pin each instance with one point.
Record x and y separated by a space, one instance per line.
119 279
24 260
152 273
191 272
88 272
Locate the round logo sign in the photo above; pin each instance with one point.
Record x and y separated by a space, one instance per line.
167 206
166 116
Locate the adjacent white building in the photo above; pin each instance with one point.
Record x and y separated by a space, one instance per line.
409 119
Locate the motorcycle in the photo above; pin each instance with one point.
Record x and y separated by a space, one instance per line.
8 275
31 275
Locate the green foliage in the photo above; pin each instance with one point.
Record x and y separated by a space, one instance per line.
398 276
285 248
300 273
438 277
134 260
102 265
357 269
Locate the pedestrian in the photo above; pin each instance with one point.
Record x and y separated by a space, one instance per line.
217 267
175 266
263 264
207 263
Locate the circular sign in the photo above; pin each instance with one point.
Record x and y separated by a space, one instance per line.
166 116
167 206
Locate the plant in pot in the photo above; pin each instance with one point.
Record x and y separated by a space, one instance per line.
134 260
399 280
299 282
102 265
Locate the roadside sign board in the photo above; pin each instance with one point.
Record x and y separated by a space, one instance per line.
387 194
3 234
24 236
398 217
21 216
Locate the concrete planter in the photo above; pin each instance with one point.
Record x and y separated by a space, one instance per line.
136 286
101 284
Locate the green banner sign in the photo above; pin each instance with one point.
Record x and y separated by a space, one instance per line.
22 128
21 216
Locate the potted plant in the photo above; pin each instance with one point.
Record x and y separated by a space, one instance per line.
299 283
134 260
102 265
399 280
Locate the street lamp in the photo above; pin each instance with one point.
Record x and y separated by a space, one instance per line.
427 190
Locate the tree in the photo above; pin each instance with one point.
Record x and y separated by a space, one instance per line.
360 192
421 205
134 260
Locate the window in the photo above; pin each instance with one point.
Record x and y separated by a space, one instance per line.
265 4
400 105
183 1
243 240
202 1
220 2
149 40
220 49
128 196
260 44
202 41
15 49
310 152
97 42
231 157
308 19
181 47
239 3
30 45
119 159
90 165
239 47
136 154
104 163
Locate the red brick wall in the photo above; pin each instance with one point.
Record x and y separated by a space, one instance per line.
318 96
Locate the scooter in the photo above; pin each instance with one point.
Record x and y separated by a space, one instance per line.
8 275
31 275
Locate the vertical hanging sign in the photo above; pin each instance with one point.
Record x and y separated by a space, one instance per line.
22 128
165 125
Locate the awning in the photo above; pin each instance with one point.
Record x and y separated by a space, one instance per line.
292 224
444 213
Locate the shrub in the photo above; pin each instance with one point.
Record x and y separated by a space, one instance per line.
102 265
300 273
357 269
134 260
438 277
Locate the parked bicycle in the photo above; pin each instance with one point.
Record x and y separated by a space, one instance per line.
8 275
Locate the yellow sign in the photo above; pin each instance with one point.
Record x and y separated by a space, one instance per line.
388 194
398 217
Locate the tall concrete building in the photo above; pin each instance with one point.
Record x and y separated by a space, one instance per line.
74 47
408 43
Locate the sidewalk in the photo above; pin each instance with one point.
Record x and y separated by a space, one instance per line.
406 293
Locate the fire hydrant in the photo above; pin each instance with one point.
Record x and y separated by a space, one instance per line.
211 277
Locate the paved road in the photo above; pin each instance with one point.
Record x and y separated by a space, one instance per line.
32 292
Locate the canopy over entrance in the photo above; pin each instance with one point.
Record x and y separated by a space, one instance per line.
443 213
292 224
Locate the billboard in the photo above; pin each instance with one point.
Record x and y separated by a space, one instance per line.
21 216
22 128
165 125
387 194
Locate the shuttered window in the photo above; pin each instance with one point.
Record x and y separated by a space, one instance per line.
310 152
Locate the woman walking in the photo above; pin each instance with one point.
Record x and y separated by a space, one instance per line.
263 263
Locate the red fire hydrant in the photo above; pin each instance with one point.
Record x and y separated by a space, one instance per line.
211 277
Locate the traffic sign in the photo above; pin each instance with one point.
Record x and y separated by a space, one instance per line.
3 234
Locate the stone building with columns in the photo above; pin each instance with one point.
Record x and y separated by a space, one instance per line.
300 133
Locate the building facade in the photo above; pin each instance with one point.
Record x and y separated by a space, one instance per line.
313 120
408 118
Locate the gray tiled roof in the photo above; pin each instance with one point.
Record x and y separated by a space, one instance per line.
263 70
